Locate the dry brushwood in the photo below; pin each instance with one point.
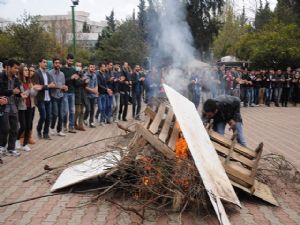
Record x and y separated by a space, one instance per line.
275 168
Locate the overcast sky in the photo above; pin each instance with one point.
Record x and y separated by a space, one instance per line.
12 9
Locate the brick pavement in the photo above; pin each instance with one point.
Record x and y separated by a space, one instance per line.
279 128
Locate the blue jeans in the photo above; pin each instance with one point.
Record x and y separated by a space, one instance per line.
256 95
251 95
269 92
220 128
45 116
69 108
57 113
102 105
108 109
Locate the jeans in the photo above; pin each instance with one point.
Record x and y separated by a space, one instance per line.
116 105
244 95
277 95
69 109
90 109
57 113
256 95
25 118
45 116
79 115
136 104
8 127
108 109
102 101
220 128
123 106
250 95
261 98
269 93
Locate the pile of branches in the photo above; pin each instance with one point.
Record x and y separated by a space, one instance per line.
155 182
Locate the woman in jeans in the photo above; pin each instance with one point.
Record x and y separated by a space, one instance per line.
26 107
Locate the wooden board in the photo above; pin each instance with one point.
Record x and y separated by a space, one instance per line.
214 177
87 170
166 127
262 191
157 120
155 142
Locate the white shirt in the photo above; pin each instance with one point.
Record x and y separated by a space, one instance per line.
47 95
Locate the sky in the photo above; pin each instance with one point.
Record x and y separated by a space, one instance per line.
98 9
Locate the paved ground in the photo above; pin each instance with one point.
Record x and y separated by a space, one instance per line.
279 128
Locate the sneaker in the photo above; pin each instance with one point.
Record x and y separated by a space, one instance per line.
85 122
18 145
72 130
13 153
3 150
47 137
125 120
53 132
102 124
26 148
137 118
92 125
61 134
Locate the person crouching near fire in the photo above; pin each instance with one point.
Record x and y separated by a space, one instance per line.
224 110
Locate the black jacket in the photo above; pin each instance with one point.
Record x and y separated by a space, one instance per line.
39 79
102 83
228 109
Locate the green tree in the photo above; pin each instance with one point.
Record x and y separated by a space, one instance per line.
263 16
202 16
111 22
86 28
142 17
277 45
285 12
30 40
126 44
229 34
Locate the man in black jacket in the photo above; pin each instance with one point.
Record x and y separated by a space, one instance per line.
9 89
43 99
224 110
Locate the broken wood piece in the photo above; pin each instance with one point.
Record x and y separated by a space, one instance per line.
155 142
122 127
158 118
164 133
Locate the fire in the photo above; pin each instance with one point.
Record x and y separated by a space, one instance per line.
182 153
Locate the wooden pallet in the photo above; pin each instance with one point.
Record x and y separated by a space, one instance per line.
240 162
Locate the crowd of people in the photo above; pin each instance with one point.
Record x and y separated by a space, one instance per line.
254 88
70 98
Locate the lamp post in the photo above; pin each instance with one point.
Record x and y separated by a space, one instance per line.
75 2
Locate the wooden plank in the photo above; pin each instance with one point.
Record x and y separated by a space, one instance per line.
239 174
164 133
221 149
238 148
215 179
259 151
155 142
158 117
261 191
173 137
150 113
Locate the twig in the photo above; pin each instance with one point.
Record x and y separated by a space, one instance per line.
127 208
29 199
71 149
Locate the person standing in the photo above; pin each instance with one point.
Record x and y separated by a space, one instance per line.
110 84
104 93
269 84
286 87
194 90
57 96
69 97
116 92
124 95
296 88
25 107
9 88
137 80
245 82
261 84
80 97
92 93
278 82
32 79
43 99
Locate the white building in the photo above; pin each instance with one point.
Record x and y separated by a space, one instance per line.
61 25
4 23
